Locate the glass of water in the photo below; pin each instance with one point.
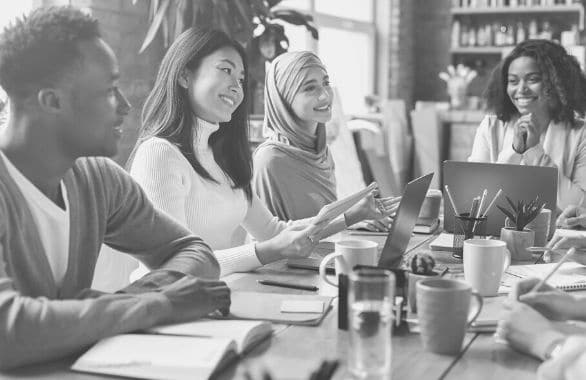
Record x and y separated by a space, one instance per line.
370 301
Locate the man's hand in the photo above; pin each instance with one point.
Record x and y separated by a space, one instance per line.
193 298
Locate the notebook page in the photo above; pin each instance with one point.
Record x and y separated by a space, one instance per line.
242 332
569 275
146 356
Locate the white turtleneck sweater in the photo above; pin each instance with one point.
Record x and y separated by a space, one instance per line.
213 211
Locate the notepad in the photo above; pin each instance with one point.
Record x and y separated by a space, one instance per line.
267 307
333 210
192 350
144 356
443 242
301 306
570 276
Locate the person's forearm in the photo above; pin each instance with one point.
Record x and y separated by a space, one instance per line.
51 329
266 252
337 225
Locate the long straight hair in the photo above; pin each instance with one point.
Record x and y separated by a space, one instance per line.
167 112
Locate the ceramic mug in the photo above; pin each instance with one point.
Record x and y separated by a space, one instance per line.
348 254
484 264
444 313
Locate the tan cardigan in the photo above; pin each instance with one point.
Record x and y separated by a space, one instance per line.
38 320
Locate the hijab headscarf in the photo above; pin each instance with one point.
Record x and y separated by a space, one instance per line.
303 183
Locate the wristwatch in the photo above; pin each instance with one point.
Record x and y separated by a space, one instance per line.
554 348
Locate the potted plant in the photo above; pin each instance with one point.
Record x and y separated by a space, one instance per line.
421 267
515 233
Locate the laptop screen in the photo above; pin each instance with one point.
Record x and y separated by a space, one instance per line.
404 222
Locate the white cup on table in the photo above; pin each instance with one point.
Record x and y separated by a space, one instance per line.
484 264
348 254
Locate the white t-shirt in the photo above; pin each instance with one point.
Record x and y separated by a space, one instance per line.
52 221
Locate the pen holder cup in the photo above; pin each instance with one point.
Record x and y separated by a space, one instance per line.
467 227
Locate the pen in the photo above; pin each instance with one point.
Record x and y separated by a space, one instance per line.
570 252
311 288
482 199
492 202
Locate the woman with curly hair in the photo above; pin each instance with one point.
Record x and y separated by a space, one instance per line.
537 100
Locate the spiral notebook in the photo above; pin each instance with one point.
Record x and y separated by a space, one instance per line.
570 276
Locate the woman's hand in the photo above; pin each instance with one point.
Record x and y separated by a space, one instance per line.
371 208
295 241
526 330
381 225
526 133
572 217
549 301
561 243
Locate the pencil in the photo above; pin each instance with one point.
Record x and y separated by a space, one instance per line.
287 285
451 200
482 199
537 286
492 202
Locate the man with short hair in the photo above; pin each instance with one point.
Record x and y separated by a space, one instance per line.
59 202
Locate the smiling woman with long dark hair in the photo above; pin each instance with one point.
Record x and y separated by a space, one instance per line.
193 159
537 100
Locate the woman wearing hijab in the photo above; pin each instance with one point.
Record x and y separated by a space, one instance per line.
193 159
294 169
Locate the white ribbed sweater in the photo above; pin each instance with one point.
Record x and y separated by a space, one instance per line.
213 211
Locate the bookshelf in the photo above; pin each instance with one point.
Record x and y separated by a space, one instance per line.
488 30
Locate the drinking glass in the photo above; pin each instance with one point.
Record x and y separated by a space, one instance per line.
371 292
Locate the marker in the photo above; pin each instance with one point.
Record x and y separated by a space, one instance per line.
311 288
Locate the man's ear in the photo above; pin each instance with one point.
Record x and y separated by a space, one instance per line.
49 100
183 80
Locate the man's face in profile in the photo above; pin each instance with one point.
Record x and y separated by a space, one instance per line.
93 106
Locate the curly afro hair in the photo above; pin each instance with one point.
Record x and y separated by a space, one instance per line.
563 80
38 49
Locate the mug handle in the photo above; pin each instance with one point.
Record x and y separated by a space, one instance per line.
480 303
507 259
324 263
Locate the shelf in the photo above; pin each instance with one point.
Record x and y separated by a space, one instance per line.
509 10
524 10
478 49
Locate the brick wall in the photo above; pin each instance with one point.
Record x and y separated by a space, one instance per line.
432 28
401 49
419 49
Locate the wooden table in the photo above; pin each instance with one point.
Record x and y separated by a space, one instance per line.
295 351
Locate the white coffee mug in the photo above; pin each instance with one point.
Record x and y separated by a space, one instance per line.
348 254
484 264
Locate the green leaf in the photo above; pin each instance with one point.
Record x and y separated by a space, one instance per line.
511 203
154 27
509 214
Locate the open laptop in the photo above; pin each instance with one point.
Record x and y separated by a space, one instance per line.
467 180
401 230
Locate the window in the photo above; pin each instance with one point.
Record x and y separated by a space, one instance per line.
9 10
347 41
